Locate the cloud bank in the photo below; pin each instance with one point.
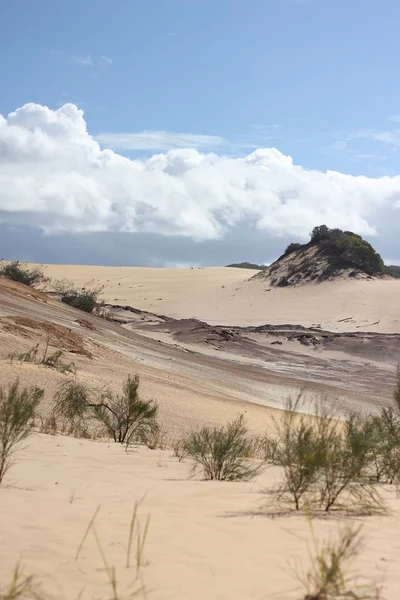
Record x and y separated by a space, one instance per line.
55 176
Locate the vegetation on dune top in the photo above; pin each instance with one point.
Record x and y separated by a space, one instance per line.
340 250
348 249
394 271
328 254
247 265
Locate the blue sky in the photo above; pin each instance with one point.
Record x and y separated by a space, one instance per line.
316 79
299 75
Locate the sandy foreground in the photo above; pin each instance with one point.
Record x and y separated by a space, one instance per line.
226 296
209 540
205 539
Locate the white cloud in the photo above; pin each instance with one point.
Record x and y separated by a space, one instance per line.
388 137
107 60
395 118
83 61
55 176
157 140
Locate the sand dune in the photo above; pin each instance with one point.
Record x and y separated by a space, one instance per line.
209 540
206 539
226 296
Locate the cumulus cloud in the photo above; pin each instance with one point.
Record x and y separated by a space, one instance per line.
55 176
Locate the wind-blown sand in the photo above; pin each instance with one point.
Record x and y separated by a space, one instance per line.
226 296
206 539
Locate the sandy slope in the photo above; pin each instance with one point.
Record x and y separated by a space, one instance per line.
225 296
206 540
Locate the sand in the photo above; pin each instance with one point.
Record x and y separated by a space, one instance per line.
206 539
226 296
209 540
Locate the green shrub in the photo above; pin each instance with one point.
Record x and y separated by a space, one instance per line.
247 265
17 272
85 300
222 453
297 450
324 465
293 247
125 417
17 413
348 249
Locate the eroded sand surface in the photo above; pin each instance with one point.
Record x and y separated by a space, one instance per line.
206 539
225 296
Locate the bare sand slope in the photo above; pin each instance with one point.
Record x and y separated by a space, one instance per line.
206 540
191 384
226 296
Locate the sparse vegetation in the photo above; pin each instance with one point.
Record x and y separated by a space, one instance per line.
324 462
126 418
16 271
17 413
328 577
85 300
222 453
329 253
247 265
21 586
393 270
48 360
293 247
348 249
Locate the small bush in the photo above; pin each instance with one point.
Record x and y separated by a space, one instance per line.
17 272
17 413
125 417
283 282
179 448
222 453
53 360
328 577
85 300
154 437
297 450
293 247
325 462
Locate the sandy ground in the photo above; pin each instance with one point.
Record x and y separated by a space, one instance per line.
209 540
206 539
225 296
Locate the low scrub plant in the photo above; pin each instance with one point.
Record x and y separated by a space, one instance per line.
125 417
85 298
329 576
18 407
16 271
222 453
48 360
325 462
